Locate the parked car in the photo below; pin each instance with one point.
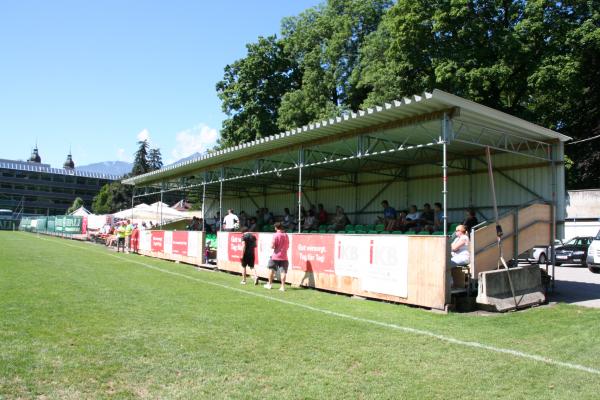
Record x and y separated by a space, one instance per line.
574 251
593 255
539 254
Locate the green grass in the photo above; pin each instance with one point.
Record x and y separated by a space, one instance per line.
78 321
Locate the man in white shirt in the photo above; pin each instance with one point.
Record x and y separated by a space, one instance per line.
230 222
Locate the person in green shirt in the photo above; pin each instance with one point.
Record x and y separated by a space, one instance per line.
128 231
121 233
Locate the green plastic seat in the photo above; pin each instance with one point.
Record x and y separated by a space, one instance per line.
384 232
369 227
380 227
373 232
362 232
350 232
349 227
410 233
359 227
423 232
438 233
331 231
397 232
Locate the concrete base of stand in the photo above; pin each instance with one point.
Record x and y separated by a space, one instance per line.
495 293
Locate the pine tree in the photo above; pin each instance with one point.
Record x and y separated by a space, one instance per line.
140 162
155 159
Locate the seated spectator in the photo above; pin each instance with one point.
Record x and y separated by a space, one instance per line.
399 224
288 220
340 220
389 214
322 215
427 215
438 217
470 220
413 217
243 219
310 223
268 218
252 227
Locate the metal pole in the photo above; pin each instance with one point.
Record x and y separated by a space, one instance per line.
553 211
160 205
445 129
220 222
203 201
132 197
300 164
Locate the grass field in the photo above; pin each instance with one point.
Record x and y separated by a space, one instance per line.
79 321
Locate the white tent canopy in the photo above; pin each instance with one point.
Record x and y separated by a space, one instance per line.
155 212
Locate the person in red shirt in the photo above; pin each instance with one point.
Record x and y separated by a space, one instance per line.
279 259
135 239
322 215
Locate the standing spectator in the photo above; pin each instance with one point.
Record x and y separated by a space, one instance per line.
135 239
121 236
470 220
279 260
231 221
249 242
322 215
128 231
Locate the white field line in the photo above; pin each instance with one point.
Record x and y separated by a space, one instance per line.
415 331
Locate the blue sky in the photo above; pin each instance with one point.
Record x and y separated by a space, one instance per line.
96 76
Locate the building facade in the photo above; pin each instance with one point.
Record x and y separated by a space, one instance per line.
31 187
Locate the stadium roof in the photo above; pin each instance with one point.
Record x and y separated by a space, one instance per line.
45 168
481 120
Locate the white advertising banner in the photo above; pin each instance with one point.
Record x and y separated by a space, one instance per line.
192 244
145 239
387 270
168 242
222 246
351 255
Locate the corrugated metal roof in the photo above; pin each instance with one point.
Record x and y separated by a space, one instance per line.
45 168
414 106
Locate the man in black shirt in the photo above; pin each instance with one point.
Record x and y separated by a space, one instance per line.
249 241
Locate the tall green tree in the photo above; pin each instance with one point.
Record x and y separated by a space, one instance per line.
155 159
325 43
251 91
140 161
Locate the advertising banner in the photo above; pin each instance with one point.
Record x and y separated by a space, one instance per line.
387 270
313 253
72 224
180 243
59 223
223 246
193 243
351 255
145 239
234 246
50 224
157 239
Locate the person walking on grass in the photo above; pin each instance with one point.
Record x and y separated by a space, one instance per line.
249 242
279 260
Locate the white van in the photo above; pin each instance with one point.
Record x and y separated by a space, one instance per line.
593 255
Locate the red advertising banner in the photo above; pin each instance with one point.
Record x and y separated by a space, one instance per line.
313 253
180 243
157 242
235 246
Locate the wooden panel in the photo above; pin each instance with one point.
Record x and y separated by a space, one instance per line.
426 275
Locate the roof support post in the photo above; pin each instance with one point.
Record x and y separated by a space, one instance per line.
552 155
132 197
300 165
161 203
446 134
220 222
203 201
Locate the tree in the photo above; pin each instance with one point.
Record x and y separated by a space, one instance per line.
325 43
112 198
77 203
537 60
154 159
251 91
140 161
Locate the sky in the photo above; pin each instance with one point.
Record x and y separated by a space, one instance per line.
96 77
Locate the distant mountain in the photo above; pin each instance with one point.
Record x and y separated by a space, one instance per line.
190 157
108 167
